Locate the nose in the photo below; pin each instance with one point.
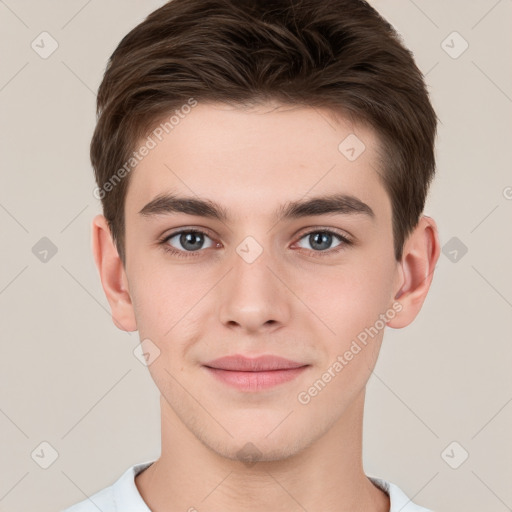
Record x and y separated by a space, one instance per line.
253 295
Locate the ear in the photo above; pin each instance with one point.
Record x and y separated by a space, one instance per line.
420 255
113 275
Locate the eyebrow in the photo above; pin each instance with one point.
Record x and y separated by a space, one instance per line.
167 204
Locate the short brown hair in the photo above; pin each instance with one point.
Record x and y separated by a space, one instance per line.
339 54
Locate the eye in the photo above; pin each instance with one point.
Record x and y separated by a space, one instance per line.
321 240
186 241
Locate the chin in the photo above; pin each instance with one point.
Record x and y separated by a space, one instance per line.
250 445
250 453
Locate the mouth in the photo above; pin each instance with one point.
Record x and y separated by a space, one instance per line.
254 374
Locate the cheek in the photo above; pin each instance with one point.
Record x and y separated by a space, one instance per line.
166 300
343 299
349 299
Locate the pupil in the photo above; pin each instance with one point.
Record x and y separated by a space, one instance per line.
324 237
187 241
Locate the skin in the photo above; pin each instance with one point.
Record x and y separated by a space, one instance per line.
288 302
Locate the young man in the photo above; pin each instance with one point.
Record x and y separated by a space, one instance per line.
263 168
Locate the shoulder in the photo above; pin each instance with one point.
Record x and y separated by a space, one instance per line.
102 500
121 496
399 502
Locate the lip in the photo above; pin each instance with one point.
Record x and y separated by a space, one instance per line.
238 362
254 374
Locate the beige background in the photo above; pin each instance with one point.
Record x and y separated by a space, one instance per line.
69 377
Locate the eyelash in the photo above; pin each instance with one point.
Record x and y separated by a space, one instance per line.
345 241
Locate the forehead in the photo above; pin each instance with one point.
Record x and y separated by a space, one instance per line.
255 159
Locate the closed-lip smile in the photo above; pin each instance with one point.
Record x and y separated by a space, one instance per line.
254 373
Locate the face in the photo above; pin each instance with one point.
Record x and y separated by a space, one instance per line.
254 276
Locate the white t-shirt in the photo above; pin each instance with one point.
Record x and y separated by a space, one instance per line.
123 496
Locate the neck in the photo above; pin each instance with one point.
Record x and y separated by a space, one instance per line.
327 475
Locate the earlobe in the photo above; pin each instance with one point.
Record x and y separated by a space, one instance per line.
112 275
420 255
